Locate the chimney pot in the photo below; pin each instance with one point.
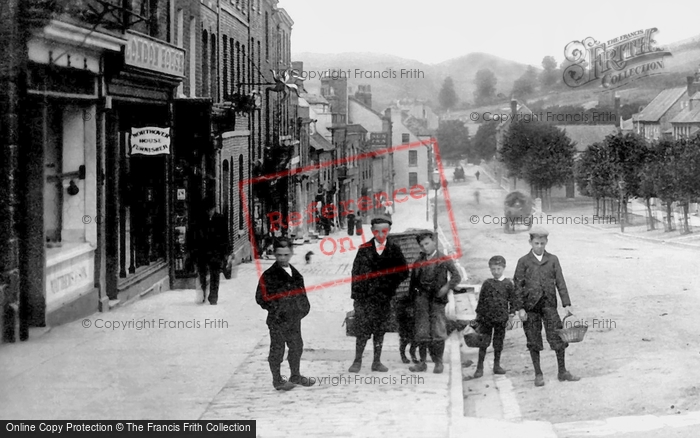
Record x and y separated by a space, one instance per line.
691 86
514 108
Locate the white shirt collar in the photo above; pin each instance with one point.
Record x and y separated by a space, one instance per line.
433 254
502 277
539 257
379 246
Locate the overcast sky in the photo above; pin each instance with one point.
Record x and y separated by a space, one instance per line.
437 30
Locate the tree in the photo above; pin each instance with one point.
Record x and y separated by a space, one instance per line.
525 84
687 171
628 157
539 153
483 145
549 74
485 82
447 96
593 174
453 138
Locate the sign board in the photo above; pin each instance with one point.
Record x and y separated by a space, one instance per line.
150 141
151 54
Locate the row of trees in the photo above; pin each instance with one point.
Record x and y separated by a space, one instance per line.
626 166
455 144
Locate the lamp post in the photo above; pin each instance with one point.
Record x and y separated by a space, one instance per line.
436 183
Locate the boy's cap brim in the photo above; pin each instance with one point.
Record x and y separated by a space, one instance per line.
539 231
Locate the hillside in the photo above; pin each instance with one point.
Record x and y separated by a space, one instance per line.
685 60
385 90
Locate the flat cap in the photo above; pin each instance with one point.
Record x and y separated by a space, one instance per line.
538 232
381 219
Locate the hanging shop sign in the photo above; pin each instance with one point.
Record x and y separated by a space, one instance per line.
150 141
148 53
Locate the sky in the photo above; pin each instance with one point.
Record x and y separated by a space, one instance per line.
433 31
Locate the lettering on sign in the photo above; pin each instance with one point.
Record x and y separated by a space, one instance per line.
150 141
70 280
145 52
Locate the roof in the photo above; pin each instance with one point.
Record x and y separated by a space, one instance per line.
585 135
319 142
314 99
362 104
661 104
627 125
520 109
355 127
688 115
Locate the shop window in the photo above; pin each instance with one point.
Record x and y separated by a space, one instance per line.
240 198
226 193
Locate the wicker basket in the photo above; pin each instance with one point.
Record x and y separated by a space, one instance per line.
572 334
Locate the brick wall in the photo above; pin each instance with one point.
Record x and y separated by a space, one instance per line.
233 149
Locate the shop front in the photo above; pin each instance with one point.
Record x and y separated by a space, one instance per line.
59 171
139 169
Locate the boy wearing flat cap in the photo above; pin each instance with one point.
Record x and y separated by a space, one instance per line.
377 271
537 279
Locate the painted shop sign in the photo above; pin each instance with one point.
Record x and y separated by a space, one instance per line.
145 52
150 141
69 280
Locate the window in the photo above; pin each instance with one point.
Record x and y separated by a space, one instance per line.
226 81
238 63
412 158
205 64
412 179
267 36
405 138
213 70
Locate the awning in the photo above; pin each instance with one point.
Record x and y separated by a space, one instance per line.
318 142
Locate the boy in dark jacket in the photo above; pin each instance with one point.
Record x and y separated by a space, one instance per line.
497 302
281 292
537 279
378 269
431 280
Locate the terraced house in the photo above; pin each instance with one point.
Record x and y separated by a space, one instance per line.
119 117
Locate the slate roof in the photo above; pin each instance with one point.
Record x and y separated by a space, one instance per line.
320 143
585 135
688 116
314 99
663 101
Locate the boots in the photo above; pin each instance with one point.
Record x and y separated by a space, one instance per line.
359 350
480 365
377 364
421 366
402 350
564 376
539 378
437 351
279 382
497 363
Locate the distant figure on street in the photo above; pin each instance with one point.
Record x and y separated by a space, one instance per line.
307 257
497 303
282 293
476 196
372 295
477 174
431 280
351 222
538 277
212 249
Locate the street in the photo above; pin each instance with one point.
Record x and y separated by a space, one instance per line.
637 298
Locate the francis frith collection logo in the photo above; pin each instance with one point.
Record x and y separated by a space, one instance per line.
616 62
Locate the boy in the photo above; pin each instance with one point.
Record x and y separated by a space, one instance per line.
537 278
497 302
372 292
428 289
281 292
211 250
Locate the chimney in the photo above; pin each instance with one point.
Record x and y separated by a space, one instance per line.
364 95
616 110
514 108
691 86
